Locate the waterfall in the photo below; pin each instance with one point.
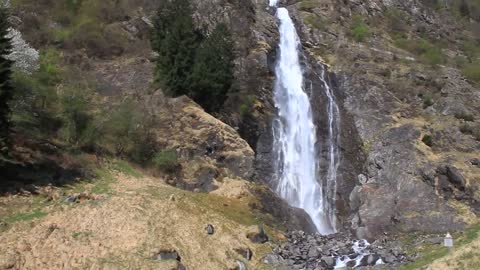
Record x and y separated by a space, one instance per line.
294 135
333 113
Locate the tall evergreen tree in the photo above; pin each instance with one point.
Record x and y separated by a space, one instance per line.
5 79
212 75
175 40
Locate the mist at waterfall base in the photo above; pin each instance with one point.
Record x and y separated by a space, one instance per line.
294 134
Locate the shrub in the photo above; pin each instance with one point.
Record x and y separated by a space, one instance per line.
77 120
427 101
427 140
465 116
128 131
247 107
359 29
466 128
470 130
166 161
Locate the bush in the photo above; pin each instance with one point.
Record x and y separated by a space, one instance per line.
247 107
466 128
359 29
166 161
78 129
427 140
465 116
470 130
128 131
427 101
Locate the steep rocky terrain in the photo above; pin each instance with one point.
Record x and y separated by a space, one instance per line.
410 134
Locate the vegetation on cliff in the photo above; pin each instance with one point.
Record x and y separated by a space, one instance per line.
189 63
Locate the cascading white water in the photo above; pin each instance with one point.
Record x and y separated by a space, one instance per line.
294 134
333 113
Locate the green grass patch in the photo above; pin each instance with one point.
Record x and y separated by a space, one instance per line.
25 216
472 72
317 22
234 210
425 50
101 185
126 168
308 5
166 161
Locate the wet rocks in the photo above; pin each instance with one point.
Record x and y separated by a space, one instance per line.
314 251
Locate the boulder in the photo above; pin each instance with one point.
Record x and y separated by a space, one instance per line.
328 260
455 177
245 253
161 254
256 234
210 229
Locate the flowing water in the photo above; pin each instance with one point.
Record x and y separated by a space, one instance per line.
330 185
295 138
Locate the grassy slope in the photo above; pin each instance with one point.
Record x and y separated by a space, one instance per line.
132 215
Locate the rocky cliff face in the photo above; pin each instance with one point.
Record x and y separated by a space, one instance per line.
391 180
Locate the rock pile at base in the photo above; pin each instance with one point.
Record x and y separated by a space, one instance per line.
315 251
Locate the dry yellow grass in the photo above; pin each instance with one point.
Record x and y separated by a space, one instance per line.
463 258
120 230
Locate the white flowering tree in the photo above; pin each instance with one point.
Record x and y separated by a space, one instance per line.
24 56
5 3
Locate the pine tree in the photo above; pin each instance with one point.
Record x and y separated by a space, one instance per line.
5 79
464 9
175 40
212 75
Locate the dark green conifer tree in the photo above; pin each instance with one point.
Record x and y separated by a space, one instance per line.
6 88
175 40
212 75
